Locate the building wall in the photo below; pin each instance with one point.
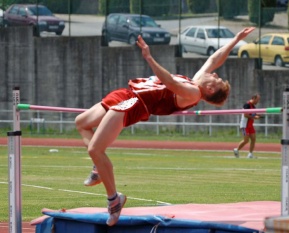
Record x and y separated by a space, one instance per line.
78 72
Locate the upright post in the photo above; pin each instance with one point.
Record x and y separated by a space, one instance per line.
14 165
285 155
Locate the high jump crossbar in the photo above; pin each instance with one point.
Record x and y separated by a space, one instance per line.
198 112
14 153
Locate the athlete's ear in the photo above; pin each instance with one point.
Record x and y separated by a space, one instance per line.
210 89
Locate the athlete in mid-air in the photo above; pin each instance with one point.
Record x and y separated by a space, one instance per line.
161 94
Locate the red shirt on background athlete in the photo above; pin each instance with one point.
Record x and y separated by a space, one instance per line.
247 127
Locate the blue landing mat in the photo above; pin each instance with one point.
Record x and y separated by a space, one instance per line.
65 222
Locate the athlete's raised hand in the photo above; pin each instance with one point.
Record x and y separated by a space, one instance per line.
243 33
144 47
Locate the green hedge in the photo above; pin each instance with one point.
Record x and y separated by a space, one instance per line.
228 9
267 11
113 6
150 7
197 6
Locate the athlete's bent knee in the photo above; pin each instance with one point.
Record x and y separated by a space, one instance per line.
94 152
78 123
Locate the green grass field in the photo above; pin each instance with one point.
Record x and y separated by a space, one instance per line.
148 177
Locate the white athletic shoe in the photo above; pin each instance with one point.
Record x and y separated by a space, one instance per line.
93 178
114 208
236 152
251 156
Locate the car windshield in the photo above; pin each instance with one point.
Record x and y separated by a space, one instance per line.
142 22
219 33
264 40
40 10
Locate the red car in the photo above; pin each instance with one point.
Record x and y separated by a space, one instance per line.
37 16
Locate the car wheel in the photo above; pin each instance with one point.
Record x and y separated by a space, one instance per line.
132 40
244 54
58 33
278 61
210 51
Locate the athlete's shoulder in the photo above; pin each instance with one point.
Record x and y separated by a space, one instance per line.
181 76
247 106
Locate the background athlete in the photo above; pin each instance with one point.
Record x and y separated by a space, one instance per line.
247 127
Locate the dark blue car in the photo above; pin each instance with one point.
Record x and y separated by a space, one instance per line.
127 27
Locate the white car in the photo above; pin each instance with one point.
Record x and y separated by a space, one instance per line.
206 39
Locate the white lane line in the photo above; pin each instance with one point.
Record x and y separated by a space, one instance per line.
200 169
88 193
81 192
36 186
132 198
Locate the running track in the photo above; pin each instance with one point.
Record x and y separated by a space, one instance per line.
57 142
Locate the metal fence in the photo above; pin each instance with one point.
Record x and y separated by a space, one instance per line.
43 122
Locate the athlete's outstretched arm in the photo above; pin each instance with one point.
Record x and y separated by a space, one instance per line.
186 91
219 57
158 70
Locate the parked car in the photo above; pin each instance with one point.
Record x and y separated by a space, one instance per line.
282 3
127 27
206 39
38 16
272 48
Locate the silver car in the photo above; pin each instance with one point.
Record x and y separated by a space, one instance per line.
206 39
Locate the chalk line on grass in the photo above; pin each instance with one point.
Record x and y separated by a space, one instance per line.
89 193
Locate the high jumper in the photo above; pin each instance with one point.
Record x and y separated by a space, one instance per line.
161 94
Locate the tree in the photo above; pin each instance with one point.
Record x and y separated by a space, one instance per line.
113 6
261 11
228 9
197 6
150 7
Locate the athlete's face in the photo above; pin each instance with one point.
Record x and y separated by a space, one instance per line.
212 81
256 100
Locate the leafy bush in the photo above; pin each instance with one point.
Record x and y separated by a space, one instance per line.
228 9
197 6
150 7
113 6
265 8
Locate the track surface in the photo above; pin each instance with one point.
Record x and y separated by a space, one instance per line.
58 142
53 142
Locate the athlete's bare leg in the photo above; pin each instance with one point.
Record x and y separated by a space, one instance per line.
252 142
88 120
106 132
243 142
108 126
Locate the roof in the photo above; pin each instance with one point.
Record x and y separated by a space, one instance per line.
129 15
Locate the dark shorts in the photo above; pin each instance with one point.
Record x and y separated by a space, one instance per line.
125 100
248 130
